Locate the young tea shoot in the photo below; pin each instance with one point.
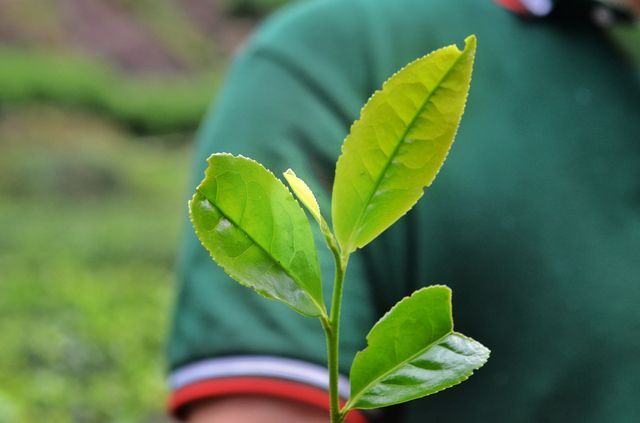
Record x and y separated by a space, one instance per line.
256 230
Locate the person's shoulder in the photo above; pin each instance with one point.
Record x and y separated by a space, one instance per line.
310 19
381 34
329 16
313 30
336 18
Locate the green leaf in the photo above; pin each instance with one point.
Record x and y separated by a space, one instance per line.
304 194
306 197
399 143
255 229
413 352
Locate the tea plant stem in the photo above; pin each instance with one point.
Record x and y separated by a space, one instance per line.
332 331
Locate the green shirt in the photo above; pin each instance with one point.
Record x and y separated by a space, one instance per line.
534 220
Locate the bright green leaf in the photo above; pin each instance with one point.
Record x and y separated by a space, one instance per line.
399 143
306 197
413 352
304 194
255 230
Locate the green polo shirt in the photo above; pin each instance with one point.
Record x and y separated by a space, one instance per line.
534 220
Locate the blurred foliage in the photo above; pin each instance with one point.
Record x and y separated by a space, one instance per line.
255 8
49 64
144 105
50 24
90 228
165 19
628 37
90 210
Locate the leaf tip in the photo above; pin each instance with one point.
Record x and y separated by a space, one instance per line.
471 42
289 172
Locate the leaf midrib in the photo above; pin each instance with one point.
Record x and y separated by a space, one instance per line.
267 252
354 399
378 180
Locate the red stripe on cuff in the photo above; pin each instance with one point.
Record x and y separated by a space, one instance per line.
255 386
514 5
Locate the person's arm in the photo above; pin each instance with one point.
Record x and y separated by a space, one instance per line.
254 409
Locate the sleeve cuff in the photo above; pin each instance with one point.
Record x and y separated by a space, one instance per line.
528 8
257 375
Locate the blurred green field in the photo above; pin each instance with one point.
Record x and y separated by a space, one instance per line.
95 138
90 228
150 105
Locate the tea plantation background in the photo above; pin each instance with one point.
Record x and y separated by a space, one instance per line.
99 101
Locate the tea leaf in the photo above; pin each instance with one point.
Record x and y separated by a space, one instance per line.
399 143
304 194
254 228
306 197
413 352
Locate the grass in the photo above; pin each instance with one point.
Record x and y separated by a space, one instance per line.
93 169
90 220
144 105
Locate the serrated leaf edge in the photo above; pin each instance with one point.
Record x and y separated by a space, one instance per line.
321 307
446 386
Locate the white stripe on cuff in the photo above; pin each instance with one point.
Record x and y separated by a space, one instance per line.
538 7
262 366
